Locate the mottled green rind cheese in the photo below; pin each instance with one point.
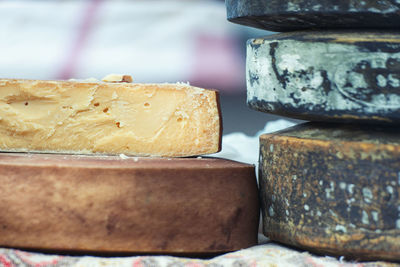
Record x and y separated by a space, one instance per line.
326 75
289 15
333 189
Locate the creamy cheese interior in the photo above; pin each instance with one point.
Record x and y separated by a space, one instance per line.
85 117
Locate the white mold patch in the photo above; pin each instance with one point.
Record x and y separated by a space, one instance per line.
290 62
398 218
342 185
375 216
333 213
293 7
349 201
367 194
381 80
364 217
389 189
341 228
393 81
330 190
271 211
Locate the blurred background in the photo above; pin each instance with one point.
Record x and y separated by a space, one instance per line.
152 40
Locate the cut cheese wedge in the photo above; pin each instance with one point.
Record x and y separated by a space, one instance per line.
95 117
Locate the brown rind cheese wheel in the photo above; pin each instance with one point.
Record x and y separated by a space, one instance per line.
108 204
333 189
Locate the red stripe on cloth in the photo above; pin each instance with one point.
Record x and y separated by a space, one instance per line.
29 258
5 262
138 262
217 62
69 67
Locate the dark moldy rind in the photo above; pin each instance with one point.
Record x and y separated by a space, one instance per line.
333 188
326 75
289 15
303 113
367 40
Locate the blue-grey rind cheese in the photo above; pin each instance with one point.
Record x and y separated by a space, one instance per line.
288 15
333 189
326 75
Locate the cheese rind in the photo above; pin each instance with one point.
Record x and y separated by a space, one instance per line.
86 117
333 75
135 205
290 15
333 189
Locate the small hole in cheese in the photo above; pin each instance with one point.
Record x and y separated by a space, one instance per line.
26 103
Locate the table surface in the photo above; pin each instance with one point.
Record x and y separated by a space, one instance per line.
266 253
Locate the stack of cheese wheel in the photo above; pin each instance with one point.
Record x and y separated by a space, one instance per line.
113 167
331 186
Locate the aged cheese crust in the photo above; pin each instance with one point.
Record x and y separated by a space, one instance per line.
333 189
87 117
134 205
336 75
289 15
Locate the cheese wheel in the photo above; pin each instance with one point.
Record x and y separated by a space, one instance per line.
333 189
170 120
326 76
289 15
127 205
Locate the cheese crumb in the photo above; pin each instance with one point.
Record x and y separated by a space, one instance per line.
117 78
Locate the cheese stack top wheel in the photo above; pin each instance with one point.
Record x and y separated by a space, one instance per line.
333 189
289 15
109 204
172 120
326 75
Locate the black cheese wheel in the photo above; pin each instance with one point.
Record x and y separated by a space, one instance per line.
288 15
326 75
333 189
